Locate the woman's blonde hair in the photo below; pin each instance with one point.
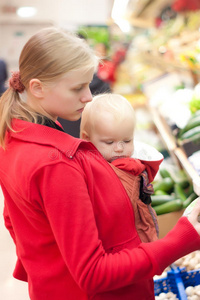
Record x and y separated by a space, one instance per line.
114 104
48 55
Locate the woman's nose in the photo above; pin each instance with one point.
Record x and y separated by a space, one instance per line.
87 96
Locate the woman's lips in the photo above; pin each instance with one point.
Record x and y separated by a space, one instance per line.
80 110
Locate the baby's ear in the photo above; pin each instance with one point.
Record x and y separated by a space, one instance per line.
84 135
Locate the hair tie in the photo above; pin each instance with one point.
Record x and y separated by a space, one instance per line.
15 82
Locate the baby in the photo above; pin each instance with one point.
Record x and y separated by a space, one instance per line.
109 122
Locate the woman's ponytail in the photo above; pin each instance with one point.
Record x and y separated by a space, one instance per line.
11 105
7 101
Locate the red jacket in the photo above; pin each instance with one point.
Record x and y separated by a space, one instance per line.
73 223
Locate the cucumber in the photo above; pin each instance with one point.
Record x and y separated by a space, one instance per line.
160 192
189 200
189 189
184 183
164 173
179 192
166 185
168 207
177 176
191 135
182 179
194 121
160 199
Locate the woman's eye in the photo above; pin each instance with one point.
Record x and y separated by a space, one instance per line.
78 89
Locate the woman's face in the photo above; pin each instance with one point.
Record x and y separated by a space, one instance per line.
67 98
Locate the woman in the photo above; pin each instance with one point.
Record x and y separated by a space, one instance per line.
67 212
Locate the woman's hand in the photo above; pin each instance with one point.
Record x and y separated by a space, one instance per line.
194 216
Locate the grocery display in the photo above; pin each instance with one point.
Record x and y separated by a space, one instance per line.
172 192
160 77
178 284
180 280
162 65
190 261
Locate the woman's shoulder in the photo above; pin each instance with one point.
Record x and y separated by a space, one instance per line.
43 143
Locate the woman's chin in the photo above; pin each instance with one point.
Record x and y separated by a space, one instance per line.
72 119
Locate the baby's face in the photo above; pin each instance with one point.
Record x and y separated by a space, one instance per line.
113 139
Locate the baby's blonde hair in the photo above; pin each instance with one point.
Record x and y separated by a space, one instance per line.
48 56
114 104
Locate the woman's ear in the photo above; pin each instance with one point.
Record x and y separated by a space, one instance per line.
36 87
84 135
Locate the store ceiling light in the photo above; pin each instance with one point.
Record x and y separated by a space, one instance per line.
26 11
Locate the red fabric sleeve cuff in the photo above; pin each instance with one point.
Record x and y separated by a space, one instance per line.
180 241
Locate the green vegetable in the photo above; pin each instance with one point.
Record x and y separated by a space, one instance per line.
185 183
179 192
189 200
194 104
160 199
160 192
189 189
165 185
191 135
178 176
164 173
193 122
182 179
168 207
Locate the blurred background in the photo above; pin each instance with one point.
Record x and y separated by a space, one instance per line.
150 51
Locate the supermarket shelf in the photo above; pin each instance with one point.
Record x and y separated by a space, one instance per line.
163 128
186 164
165 64
171 65
177 153
165 134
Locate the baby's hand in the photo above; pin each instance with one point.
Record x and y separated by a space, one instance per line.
194 215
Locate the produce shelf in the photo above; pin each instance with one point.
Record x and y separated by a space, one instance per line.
163 129
186 164
177 153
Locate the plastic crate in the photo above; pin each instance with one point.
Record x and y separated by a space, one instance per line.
176 281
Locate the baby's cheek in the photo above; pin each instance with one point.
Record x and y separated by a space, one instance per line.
131 150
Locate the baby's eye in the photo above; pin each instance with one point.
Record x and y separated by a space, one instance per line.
128 141
109 142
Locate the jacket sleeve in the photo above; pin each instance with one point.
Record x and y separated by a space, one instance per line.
70 214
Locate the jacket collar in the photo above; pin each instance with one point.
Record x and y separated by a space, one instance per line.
40 134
